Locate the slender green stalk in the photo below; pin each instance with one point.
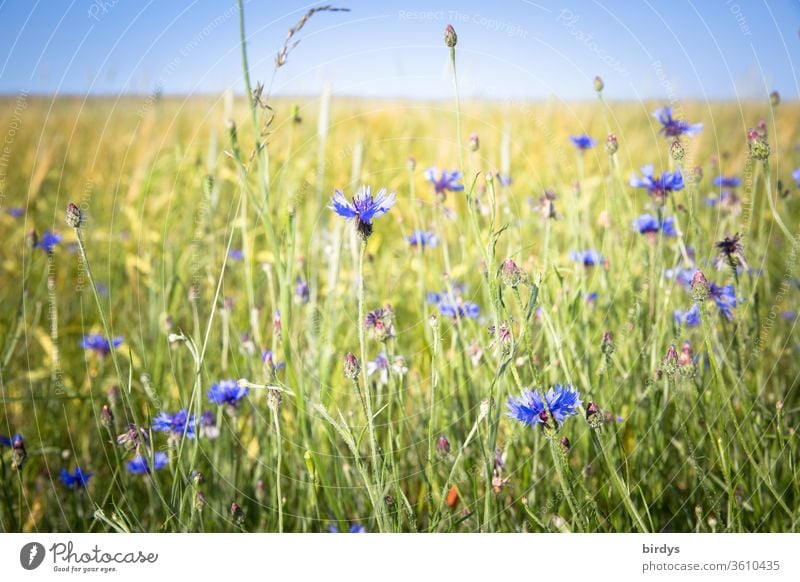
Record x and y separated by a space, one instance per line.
374 462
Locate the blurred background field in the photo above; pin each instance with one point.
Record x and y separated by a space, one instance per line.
161 198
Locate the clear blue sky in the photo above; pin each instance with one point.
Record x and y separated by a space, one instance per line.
707 49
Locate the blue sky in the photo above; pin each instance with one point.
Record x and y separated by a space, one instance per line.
707 49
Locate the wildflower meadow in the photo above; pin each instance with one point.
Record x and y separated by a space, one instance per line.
249 312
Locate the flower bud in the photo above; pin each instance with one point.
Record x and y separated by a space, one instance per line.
671 361
74 217
699 286
443 445
685 358
106 416
607 343
197 478
18 453
594 415
775 98
611 144
565 444
511 274
598 84
474 143
411 163
351 366
450 36
759 148
677 151
237 513
199 500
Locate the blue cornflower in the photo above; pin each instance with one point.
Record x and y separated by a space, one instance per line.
582 142
591 297
269 360
727 181
302 293
504 180
176 424
48 241
724 298
529 408
99 344
354 528
140 464
660 186
15 212
74 480
689 318
235 254
587 258
454 307
675 127
447 181
363 208
5 441
422 239
227 392
796 177
648 224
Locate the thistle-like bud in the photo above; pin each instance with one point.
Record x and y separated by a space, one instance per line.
511 274
594 416
775 98
450 36
612 145
296 114
699 286
199 500
237 513
433 321
677 151
18 453
411 163
351 366
607 344
474 143
443 445
598 84
565 444
197 478
74 216
671 361
759 148
685 358
106 416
